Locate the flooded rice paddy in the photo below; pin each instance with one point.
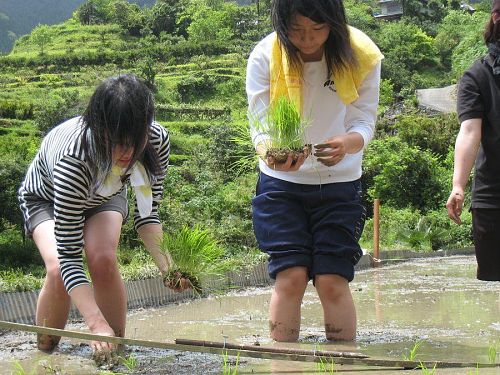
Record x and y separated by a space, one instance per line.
436 302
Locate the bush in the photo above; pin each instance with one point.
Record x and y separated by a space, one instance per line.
56 108
195 88
15 252
403 176
453 236
386 95
21 109
11 175
436 134
392 221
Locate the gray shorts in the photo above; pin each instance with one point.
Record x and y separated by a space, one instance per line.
40 210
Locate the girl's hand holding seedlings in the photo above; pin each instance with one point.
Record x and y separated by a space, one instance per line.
175 281
288 166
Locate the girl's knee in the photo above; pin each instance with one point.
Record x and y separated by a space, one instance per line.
103 266
292 281
332 286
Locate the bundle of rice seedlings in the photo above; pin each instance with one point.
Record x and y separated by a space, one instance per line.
286 131
196 255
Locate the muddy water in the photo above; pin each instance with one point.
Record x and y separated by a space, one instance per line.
436 302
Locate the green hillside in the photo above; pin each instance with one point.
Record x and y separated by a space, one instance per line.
18 18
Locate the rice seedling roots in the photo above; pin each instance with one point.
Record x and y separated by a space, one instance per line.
281 155
173 279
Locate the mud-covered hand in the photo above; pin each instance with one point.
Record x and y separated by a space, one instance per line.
332 151
455 204
103 353
290 165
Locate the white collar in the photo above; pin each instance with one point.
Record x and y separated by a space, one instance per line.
139 180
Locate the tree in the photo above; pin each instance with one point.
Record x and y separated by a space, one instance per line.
41 36
128 16
360 15
165 17
454 28
93 12
211 24
407 50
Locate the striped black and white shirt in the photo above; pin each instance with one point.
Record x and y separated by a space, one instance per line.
60 174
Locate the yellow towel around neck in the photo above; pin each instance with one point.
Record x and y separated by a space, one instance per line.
285 80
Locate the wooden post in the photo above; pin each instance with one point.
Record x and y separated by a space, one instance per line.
376 233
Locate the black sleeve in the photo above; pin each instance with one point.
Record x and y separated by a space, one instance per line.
470 103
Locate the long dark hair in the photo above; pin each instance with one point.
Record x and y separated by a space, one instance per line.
120 112
338 52
492 31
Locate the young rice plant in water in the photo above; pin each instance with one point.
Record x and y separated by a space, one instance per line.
493 352
286 130
227 368
196 255
412 355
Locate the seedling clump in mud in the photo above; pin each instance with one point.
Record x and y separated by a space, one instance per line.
195 256
173 280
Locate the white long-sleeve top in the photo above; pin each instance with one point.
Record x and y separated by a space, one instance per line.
325 113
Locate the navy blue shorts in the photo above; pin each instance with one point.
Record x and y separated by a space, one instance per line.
314 226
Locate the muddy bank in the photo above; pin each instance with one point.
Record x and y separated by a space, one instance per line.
18 355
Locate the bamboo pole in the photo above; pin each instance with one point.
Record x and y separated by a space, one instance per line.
221 349
376 232
270 349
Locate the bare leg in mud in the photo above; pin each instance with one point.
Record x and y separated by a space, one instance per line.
338 307
53 301
101 234
284 308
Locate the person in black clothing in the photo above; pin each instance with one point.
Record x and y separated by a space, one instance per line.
478 107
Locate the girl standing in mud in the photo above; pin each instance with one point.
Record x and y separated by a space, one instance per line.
74 198
307 213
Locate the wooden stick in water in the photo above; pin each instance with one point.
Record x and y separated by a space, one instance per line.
252 351
270 349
